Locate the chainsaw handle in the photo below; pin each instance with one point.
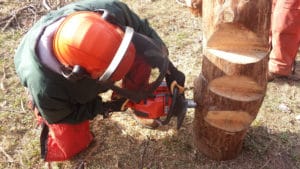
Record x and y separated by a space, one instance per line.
171 110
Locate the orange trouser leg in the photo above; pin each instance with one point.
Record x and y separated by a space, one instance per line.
285 37
61 142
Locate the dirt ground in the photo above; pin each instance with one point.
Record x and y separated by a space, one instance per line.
272 142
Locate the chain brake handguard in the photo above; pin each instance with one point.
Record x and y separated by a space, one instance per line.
181 115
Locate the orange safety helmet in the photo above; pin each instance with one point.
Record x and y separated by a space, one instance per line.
86 39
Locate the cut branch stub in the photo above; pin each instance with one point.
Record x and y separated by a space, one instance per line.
230 121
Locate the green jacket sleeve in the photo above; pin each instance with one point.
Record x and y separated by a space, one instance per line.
56 110
61 101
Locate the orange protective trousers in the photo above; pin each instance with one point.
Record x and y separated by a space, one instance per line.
285 36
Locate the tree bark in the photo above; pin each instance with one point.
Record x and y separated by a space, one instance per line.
232 85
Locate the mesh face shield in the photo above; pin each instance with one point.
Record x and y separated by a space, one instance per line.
154 54
157 58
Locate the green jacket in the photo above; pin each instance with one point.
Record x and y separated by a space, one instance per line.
58 99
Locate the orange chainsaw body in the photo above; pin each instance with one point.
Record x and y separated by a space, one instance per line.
154 107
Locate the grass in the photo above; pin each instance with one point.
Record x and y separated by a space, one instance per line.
272 141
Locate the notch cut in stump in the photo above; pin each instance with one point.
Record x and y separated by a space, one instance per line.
237 88
230 121
232 84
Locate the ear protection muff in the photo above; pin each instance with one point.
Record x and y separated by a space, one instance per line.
75 74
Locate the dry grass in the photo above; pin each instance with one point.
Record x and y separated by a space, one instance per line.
273 141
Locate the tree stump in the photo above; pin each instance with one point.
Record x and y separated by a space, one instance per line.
232 85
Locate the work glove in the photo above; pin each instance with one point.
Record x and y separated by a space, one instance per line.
118 104
174 77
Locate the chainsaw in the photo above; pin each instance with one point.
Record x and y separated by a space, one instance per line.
163 105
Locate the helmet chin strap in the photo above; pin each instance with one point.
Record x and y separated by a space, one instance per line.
119 55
